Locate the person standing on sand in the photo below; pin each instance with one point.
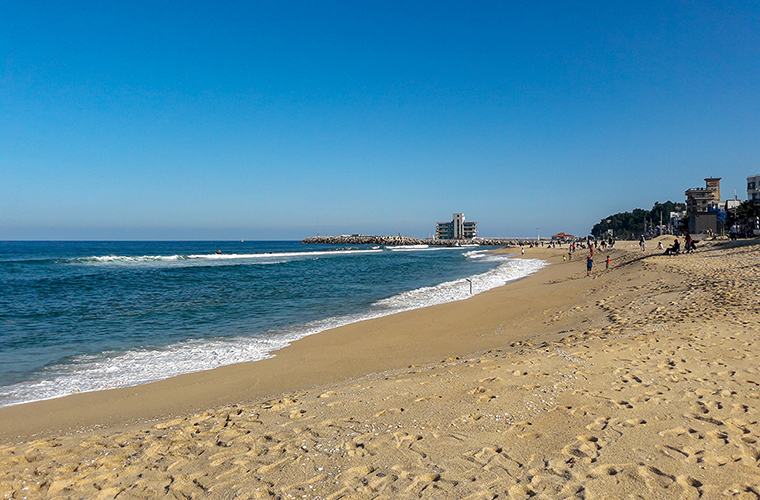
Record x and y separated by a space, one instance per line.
642 243
689 246
589 265
608 262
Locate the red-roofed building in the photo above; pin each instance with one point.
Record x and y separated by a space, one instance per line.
563 237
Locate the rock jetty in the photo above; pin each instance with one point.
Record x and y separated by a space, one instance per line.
406 240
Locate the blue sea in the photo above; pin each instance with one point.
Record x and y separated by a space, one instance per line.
86 316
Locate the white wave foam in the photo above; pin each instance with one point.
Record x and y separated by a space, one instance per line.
322 253
407 247
254 257
135 367
450 291
488 256
108 259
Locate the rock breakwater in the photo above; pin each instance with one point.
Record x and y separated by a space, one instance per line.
406 240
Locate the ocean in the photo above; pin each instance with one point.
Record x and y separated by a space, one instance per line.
86 316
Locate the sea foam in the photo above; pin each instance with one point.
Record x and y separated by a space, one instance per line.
202 259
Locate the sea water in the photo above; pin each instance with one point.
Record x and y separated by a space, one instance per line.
86 316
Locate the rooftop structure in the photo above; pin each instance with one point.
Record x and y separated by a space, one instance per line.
701 200
457 229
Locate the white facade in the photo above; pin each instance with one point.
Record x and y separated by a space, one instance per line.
753 187
458 226
457 229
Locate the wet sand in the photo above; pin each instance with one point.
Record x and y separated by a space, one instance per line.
639 382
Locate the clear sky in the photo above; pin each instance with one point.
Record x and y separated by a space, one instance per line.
278 119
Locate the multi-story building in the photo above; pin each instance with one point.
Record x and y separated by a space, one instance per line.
753 187
457 229
701 200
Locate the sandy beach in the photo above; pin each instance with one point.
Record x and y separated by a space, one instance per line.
641 381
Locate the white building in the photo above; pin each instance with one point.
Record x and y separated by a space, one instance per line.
457 229
753 187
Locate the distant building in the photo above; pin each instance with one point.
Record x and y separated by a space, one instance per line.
753 187
731 205
457 229
703 200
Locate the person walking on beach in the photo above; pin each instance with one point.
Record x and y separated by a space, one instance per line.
589 265
689 246
642 243
608 262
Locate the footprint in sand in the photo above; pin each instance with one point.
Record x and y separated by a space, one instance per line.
586 448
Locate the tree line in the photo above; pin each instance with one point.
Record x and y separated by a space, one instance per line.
628 225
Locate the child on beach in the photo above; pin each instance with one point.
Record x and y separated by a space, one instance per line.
589 265
608 262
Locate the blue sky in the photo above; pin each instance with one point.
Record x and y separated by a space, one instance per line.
278 120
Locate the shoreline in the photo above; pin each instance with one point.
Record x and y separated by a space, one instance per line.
126 405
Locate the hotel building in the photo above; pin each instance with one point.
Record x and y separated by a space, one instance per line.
457 229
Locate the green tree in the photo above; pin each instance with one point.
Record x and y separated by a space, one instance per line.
747 212
628 225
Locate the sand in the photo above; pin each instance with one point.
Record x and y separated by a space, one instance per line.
639 382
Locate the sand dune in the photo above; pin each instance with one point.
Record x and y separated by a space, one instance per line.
641 382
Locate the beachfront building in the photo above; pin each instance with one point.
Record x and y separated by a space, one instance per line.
457 229
753 187
704 208
702 200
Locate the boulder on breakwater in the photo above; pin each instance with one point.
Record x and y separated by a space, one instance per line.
405 240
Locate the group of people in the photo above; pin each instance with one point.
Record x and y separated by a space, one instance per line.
675 248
